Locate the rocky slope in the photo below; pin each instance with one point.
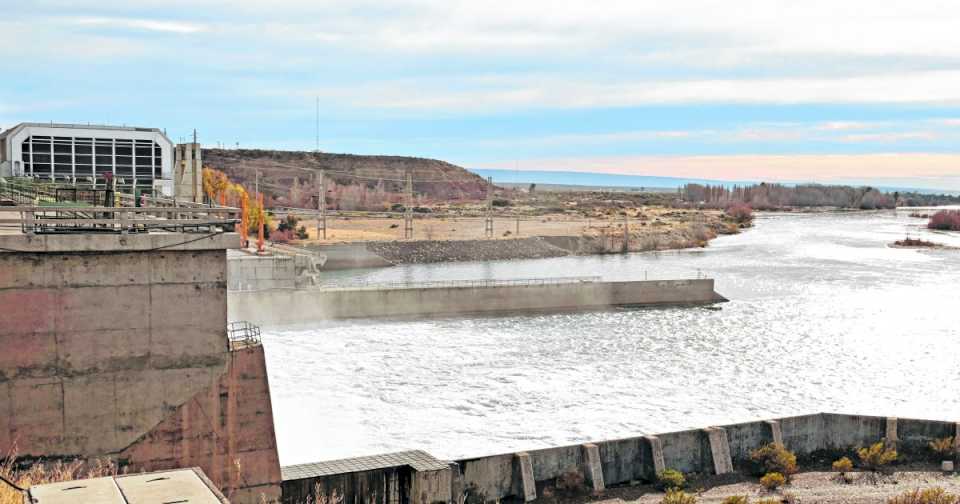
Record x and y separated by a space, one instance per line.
283 171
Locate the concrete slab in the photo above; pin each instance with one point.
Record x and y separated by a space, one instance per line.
719 450
891 430
592 467
92 491
172 486
656 450
526 475
182 485
775 432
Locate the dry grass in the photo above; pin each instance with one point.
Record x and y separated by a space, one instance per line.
41 473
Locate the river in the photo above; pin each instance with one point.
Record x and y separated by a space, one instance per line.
823 316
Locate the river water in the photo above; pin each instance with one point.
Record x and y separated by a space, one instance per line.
823 316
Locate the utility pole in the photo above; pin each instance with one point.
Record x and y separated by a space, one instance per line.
322 207
488 221
318 125
408 211
626 233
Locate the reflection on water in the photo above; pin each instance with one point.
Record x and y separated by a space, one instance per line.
824 317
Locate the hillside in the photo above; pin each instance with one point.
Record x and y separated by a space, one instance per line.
354 181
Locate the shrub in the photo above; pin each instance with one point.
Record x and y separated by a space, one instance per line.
675 496
571 481
946 220
671 479
769 500
935 495
739 212
876 456
772 480
843 465
774 458
735 499
497 202
942 447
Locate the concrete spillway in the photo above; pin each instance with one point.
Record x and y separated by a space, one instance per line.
272 306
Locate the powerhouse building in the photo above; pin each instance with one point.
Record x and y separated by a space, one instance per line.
139 158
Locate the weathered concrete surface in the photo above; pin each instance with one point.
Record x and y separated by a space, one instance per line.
110 242
304 305
251 272
107 344
350 256
226 430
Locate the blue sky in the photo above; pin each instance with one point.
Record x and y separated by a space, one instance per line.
839 91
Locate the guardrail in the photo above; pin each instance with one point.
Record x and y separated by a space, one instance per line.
242 334
87 219
515 282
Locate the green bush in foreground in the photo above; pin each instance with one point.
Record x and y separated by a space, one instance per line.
935 495
671 479
772 481
774 458
678 497
942 447
876 456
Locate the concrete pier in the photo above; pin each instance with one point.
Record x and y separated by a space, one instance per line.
275 306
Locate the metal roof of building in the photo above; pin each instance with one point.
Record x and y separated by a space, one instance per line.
182 485
12 129
418 460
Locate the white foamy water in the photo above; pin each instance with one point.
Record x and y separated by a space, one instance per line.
823 317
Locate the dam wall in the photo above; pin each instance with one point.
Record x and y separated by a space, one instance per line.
116 345
823 437
273 306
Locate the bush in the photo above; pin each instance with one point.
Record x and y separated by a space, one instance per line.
935 495
843 465
942 447
740 212
769 501
945 220
772 480
735 499
500 202
671 479
571 481
678 497
876 456
774 458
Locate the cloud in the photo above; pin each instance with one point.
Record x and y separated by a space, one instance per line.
152 25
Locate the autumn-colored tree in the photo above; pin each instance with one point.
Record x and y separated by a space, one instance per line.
215 183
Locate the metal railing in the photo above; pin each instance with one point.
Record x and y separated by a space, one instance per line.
514 282
242 334
92 219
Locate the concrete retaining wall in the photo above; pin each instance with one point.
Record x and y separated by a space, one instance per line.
622 461
350 256
250 272
293 306
112 347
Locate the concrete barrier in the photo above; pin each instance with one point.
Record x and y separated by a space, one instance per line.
304 305
608 463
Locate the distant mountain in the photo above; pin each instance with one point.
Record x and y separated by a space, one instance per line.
587 179
605 180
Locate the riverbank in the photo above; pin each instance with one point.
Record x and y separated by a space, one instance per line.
454 239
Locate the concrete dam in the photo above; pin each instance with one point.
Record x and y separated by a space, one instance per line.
278 305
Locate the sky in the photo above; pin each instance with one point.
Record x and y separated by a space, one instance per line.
845 91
